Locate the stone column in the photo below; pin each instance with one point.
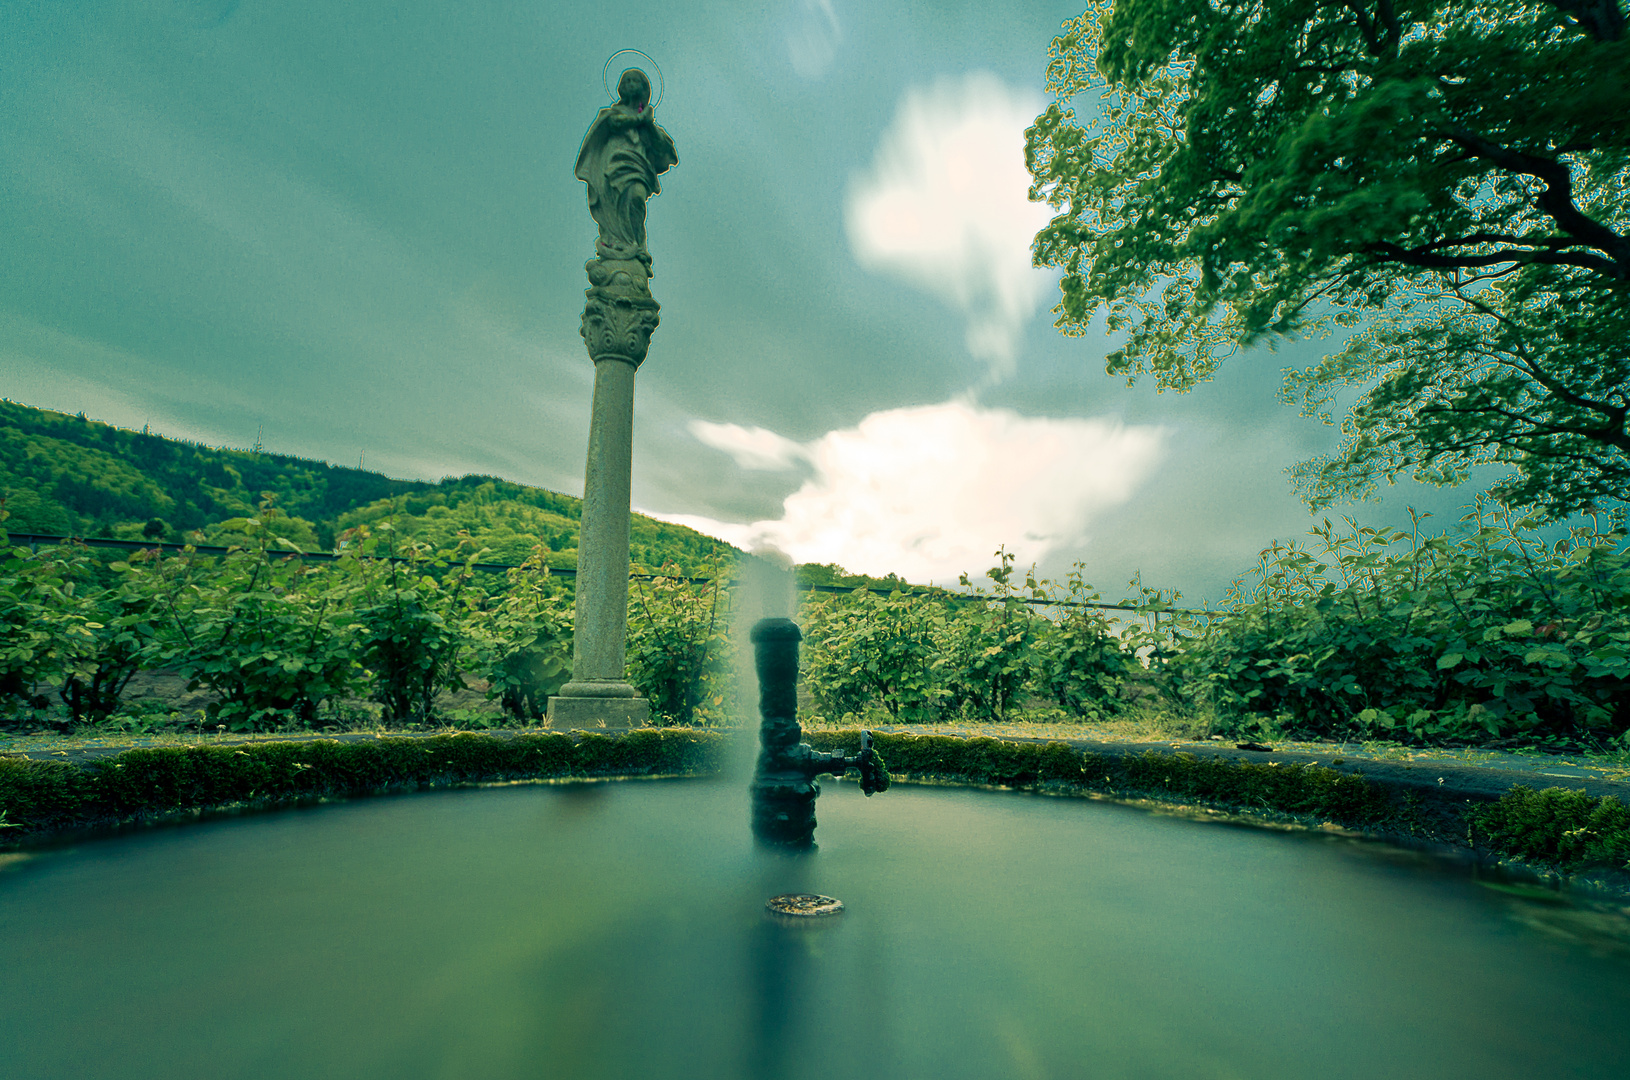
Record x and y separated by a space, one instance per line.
623 154
617 323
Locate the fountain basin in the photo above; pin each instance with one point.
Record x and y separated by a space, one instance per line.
618 929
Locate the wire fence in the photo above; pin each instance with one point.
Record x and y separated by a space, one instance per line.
35 540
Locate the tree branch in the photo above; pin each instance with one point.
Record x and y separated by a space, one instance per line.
1389 252
1551 242
1601 19
1381 30
1556 200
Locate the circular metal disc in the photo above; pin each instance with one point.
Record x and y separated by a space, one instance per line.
805 905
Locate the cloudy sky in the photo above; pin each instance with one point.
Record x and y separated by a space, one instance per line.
354 227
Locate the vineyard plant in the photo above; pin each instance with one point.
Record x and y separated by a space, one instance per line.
1485 635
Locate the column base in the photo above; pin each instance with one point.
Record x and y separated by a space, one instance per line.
570 712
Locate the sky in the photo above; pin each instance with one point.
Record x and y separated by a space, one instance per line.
351 230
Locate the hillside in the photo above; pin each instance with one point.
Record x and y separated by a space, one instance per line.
67 475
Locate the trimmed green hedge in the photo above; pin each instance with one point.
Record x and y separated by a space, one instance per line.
1558 828
1298 789
46 796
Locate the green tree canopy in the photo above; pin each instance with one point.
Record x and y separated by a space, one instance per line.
1451 178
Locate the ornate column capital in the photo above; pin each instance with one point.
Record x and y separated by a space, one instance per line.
618 326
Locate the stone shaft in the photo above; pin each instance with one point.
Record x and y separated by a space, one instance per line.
601 620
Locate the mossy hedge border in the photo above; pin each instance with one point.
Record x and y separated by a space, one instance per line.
1558 830
41 798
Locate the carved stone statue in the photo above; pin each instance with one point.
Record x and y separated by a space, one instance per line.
623 154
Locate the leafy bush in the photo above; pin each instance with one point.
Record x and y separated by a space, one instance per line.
1492 636
521 642
1079 661
988 645
861 648
271 634
678 647
36 620
408 621
116 634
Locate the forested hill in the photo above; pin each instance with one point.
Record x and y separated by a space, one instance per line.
67 475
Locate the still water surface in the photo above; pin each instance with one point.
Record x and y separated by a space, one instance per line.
616 930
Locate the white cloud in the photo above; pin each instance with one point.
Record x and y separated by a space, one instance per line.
755 448
812 42
946 207
932 491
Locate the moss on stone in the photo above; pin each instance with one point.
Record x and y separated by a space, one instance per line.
1556 829
1559 827
40 797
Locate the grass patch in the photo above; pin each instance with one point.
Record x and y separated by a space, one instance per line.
41 797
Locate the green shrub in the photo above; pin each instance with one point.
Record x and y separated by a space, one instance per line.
678 648
987 646
408 620
119 633
1078 660
270 633
861 648
521 639
1494 636
38 620
44 796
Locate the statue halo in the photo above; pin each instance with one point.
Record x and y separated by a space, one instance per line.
605 73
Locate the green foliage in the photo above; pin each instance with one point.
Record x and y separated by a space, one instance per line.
270 633
521 640
678 651
988 646
407 620
1452 171
1493 636
61 627
45 796
509 520
36 622
811 574
862 648
925 657
65 475
1557 826
116 633
1079 661
81 476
